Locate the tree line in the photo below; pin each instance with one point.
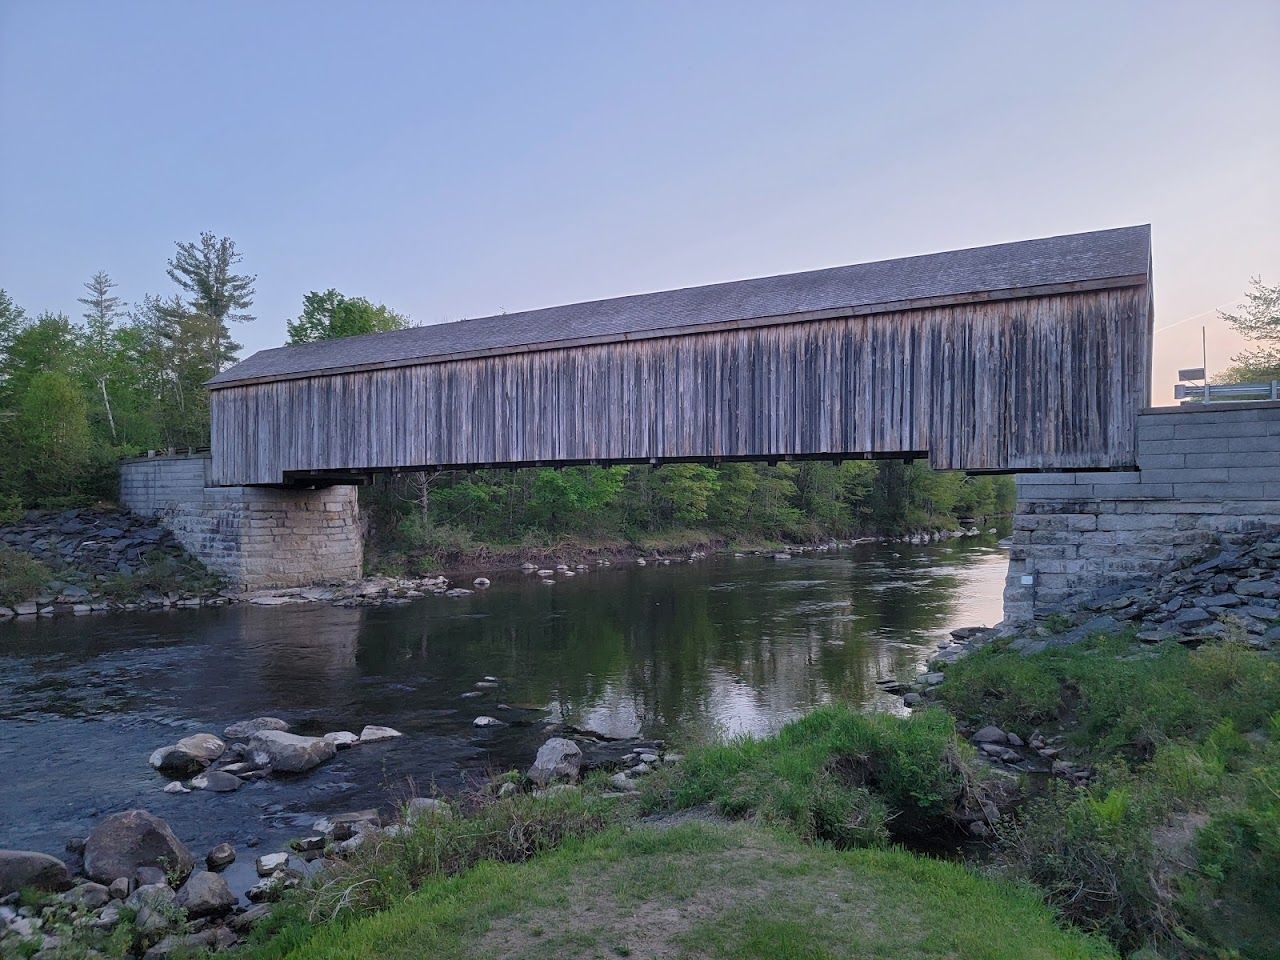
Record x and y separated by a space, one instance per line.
78 394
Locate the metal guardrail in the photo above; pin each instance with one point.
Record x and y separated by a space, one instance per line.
1227 392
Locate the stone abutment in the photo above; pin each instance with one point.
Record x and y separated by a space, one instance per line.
256 537
1206 475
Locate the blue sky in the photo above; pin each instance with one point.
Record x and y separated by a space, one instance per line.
458 160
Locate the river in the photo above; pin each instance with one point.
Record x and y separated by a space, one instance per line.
683 652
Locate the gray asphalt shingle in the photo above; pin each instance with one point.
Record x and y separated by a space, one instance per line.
1098 255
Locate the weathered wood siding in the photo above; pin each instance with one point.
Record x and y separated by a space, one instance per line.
1049 382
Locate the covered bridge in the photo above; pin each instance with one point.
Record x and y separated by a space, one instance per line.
1014 357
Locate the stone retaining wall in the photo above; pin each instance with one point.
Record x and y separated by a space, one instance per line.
256 537
1204 475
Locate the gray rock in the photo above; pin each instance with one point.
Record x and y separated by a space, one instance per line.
990 734
175 786
289 753
191 944
375 734
221 856
205 894
120 888
245 729
125 841
1193 617
427 807
88 896
203 746
173 762
27 868
557 759
216 781
487 722
243 922
1267 589
148 876
346 825
620 781
157 911
269 863
342 739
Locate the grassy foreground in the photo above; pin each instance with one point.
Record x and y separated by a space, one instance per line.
703 890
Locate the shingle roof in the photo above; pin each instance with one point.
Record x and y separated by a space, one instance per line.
1074 258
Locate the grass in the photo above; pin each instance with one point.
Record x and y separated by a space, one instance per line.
21 576
701 890
1113 696
1176 843
836 775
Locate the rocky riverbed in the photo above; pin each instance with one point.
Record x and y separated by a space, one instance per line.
133 865
105 560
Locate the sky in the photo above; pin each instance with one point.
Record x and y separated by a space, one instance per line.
460 160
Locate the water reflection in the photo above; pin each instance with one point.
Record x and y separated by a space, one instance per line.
684 651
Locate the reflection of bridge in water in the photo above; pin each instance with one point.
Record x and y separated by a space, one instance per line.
1020 356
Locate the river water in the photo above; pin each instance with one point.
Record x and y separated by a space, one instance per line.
683 652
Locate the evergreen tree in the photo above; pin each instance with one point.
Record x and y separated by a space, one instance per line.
212 295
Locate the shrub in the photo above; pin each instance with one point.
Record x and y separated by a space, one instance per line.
162 574
21 576
838 775
1091 852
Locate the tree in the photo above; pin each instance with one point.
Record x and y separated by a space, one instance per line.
52 427
214 296
103 307
103 310
1258 321
12 320
330 315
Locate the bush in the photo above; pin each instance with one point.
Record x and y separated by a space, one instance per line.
162 574
21 576
1091 852
838 775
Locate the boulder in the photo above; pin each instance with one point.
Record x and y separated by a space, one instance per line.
156 911
191 944
343 826
269 863
223 855
373 734
120 888
487 722
125 841
217 781
88 896
176 763
205 894
289 753
27 868
1267 589
342 739
148 876
205 747
990 734
245 729
557 759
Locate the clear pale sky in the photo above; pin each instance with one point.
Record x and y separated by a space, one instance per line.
458 160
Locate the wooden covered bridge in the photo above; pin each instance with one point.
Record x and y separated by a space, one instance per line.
1016 357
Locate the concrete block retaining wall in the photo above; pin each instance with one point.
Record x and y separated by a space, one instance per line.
1204 476
256 537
